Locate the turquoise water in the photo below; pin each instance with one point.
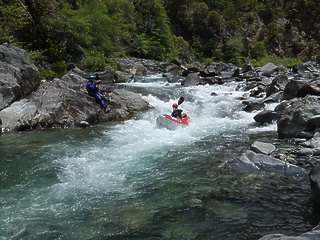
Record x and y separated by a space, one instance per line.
133 180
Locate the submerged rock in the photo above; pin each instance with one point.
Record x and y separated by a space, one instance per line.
312 235
251 162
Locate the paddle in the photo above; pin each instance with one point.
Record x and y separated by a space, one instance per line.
181 100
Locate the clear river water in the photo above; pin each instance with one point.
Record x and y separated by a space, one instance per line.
134 180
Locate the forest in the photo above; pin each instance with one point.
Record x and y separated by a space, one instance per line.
89 33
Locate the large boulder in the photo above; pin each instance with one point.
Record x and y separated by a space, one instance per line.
192 79
291 89
266 116
65 103
294 115
277 84
270 69
18 77
312 88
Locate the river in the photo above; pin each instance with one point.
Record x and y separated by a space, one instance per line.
133 180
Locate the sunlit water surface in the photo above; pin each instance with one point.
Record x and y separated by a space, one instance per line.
133 180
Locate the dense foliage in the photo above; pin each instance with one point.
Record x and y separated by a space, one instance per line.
89 32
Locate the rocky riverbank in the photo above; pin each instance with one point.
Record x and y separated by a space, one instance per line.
287 97
27 102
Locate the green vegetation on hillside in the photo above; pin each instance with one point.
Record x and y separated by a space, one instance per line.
90 32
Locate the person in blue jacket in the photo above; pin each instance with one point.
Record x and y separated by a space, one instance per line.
93 91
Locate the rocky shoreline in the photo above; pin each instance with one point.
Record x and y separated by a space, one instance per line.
27 102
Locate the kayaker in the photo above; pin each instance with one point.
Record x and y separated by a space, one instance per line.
93 91
176 113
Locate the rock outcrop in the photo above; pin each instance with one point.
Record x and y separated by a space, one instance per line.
29 103
18 77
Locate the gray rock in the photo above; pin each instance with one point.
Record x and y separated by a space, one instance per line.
65 103
277 84
253 105
291 89
305 152
294 115
282 237
261 147
315 120
192 79
84 124
314 178
252 162
311 88
269 69
266 116
18 78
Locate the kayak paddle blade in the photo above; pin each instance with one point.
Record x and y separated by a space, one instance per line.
181 100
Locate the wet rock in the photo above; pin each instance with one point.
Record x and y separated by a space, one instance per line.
315 121
277 84
261 147
295 115
251 162
192 79
253 105
306 236
273 98
305 152
315 141
84 124
266 116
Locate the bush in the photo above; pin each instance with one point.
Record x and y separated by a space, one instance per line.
258 50
287 62
94 61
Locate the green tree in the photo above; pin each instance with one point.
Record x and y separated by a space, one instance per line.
234 50
153 30
13 17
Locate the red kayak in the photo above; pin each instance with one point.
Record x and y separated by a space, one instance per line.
171 122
